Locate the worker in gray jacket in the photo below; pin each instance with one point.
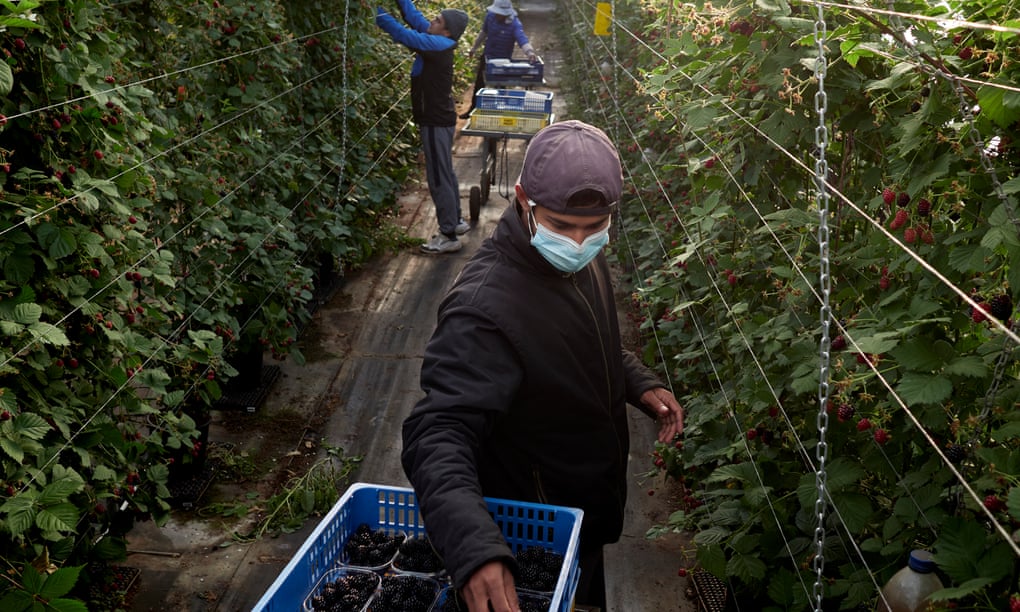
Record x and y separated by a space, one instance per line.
526 381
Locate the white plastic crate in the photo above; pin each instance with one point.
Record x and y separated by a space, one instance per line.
517 100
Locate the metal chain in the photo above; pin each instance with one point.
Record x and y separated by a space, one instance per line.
825 286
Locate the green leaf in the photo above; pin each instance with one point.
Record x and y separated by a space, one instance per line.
64 245
6 79
967 588
16 600
26 314
68 605
748 568
48 333
60 518
712 535
917 388
31 425
1013 502
713 559
59 490
968 365
60 582
13 448
20 514
917 354
959 548
854 510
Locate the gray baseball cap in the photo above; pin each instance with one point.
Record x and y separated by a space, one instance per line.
567 158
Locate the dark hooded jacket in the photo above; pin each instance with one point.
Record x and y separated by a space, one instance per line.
526 385
432 71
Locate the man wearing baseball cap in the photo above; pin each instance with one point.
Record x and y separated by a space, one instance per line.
432 108
526 380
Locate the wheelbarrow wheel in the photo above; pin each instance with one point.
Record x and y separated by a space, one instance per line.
483 189
475 203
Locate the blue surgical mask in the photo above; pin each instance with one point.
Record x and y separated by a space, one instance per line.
565 254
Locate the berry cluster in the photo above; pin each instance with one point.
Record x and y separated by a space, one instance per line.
912 233
371 548
403 593
538 568
418 555
349 593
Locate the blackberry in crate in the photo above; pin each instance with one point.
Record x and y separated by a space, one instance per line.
405 594
418 555
348 593
371 548
538 569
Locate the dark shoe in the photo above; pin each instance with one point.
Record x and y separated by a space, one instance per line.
466 115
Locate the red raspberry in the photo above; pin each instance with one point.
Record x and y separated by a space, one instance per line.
883 283
980 313
864 424
752 434
993 503
901 218
888 196
881 436
923 207
910 235
1014 603
681 572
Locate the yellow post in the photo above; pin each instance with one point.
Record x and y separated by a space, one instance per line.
603 18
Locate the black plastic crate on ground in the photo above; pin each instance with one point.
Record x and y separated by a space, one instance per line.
249 400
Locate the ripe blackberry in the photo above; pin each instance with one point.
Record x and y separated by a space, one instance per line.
923 207
405 593
418 555
371 548
845 413
956 453
838 343
348 593
903 199
1001 306
538 569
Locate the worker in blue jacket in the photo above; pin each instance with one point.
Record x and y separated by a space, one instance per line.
501 30
432 108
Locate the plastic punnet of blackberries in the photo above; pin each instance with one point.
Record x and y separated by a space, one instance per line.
417 555
405 593
371 548
538 569
343 590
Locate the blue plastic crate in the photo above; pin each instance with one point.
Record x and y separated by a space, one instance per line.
518 100
513 70
557 528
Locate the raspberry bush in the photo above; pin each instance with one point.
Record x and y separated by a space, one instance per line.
713 107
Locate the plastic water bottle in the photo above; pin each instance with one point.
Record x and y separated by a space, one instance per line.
909 588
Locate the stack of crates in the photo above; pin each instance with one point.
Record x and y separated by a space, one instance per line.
395 509
515 111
